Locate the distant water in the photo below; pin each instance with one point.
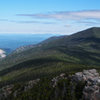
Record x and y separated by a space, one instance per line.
13 41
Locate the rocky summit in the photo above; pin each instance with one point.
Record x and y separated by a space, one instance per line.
81 86
91 90
91 80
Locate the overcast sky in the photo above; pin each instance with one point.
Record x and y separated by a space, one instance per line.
48 16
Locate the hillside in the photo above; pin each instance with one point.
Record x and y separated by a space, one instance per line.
23 68
81 47
53 56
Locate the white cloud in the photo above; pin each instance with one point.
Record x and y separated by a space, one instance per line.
72 15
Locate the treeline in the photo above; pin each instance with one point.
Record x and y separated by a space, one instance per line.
47 70
65 90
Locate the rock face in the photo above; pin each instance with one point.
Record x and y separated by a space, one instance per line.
2 53
82 86
91 90
56 79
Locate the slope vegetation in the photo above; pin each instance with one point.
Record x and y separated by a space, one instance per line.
53 56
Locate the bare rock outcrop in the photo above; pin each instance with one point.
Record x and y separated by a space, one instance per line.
91 90
82 86
56 79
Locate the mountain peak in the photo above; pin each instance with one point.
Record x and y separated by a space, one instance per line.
95 28
90 32
96 31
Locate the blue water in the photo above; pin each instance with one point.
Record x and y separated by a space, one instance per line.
13 41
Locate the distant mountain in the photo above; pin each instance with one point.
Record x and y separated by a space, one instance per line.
13 41
54 55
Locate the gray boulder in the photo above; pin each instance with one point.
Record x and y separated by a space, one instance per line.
91 90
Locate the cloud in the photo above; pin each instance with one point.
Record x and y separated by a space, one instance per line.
89 22
28 22
40 22
67 25
71 15
3 19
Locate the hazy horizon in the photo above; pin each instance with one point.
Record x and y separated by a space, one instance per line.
13 41
48 16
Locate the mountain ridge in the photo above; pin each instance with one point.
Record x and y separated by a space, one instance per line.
49 58
82 43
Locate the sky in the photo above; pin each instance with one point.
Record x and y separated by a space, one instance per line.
48 16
